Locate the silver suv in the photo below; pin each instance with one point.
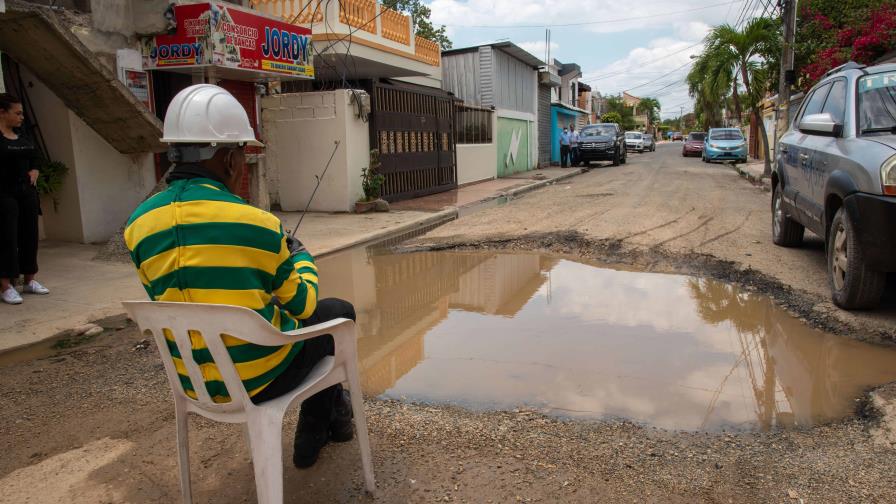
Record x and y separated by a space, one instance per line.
836 175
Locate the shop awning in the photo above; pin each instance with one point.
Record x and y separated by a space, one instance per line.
36 38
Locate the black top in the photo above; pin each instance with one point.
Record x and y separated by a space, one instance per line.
17 158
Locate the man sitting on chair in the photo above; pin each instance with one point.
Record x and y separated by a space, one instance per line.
199 242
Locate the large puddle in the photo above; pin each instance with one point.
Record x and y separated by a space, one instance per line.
496 330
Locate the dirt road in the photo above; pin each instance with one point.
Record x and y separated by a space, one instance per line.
95 424
665 212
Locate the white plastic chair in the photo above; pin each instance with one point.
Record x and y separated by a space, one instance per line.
264 421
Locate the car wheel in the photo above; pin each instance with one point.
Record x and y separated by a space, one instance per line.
785 231
854 286
616 158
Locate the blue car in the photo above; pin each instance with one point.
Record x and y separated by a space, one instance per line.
725 144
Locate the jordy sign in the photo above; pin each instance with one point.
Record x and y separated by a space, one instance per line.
223 35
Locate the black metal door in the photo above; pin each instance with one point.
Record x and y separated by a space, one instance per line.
412 127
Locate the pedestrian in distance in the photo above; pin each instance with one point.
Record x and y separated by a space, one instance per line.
19 204
199 242
573 145
564 148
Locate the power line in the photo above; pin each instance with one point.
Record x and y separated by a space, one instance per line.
661 76
640 65
602 21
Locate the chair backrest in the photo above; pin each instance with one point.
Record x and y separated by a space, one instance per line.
211 321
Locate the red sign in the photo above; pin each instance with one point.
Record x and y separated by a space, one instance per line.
227 36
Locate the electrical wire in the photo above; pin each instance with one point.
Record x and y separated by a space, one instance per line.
691 62
602 21
640 65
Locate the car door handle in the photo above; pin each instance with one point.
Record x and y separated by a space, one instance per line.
804 157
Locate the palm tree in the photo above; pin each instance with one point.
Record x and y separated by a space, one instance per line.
708 84
746 53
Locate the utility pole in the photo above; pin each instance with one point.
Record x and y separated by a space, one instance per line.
787 77
681 119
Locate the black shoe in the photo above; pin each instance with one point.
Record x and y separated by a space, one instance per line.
341 419
311 436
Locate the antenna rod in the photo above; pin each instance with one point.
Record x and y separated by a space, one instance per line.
319 179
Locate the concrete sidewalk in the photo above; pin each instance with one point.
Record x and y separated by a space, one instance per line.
84 290
489 189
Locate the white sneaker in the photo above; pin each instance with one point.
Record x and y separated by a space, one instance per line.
11 296
33 287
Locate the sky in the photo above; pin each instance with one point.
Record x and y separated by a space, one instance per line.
643 47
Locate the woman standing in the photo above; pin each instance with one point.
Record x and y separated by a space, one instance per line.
19 204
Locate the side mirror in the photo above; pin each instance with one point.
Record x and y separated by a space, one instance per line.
820 124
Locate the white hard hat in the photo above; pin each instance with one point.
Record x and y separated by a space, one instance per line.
205 113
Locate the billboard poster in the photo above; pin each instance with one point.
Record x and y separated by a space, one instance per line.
216 34
138 83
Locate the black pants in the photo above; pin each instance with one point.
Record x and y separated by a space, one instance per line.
19 233
320 405
564 156
574 156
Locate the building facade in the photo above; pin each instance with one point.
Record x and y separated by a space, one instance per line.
504 77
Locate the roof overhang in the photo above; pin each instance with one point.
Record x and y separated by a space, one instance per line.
568 108
507 47
35 37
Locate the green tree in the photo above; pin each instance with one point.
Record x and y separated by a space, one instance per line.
611 117
420 13
651 107
626 114
748 53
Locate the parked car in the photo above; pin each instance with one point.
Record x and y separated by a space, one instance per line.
724 144
649 142
634 141
836 175
602 142
693 146
676 135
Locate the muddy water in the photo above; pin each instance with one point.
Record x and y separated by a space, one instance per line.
490 330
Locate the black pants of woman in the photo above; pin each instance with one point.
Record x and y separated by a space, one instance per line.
19 233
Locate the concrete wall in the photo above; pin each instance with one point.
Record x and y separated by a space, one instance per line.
300 131
110 184
102 187
476 162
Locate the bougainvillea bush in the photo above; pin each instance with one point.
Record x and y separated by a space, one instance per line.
832 32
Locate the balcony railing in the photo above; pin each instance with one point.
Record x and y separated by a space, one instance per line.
366 18
396 26
359 13
427 50
292 11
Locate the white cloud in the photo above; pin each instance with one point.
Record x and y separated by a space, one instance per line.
600 16
537 47
656 70
692 30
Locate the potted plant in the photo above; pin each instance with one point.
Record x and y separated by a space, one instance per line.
52 175
371 184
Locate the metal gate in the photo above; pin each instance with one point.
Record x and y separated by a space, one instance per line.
413 128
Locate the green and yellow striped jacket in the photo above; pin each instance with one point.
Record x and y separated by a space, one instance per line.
197 242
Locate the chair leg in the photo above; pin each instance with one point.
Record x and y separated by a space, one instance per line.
265 441
361 426
183 454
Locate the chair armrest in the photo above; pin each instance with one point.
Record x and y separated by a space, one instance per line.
305 333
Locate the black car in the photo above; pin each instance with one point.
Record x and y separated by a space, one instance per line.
602 142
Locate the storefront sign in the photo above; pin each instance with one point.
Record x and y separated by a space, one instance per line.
226 36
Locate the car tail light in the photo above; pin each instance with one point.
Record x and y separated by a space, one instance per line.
888 176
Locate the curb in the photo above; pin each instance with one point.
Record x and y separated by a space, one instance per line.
440 217
541 183
764 182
